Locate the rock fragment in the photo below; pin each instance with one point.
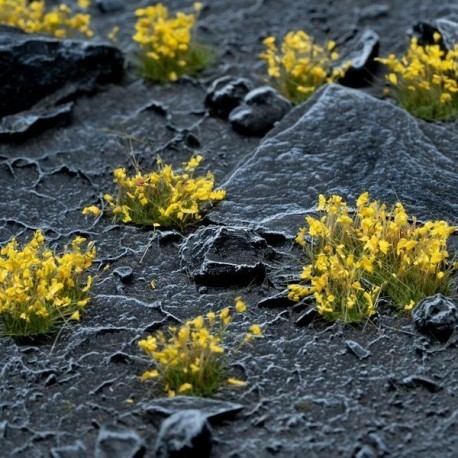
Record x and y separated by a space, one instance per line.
414 381
356 349
225 256
436 315
117 442
185 434
260 110
308 317
110 6
213 409
33 67
124 273
361 52
424 32
76 450
225 94
22 125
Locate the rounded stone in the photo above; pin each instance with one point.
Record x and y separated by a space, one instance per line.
436 315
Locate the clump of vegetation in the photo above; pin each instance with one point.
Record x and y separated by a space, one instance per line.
163 198
33 17
191 359
39 289
168 44
425 80
355 258
301 65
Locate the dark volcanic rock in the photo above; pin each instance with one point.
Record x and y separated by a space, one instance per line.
308 317
32 67
213 409
278 300
361 52
261 109
343 141
425 31
115 442
436 315
224 256
22 125
124 273
185 434
415 381
225 94
110 6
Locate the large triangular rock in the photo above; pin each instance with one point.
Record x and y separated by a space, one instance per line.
343 141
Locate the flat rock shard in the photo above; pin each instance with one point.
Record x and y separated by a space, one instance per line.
225 256
33 67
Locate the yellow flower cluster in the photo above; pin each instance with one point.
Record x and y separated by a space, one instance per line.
302 66
33 17
425 80
39 289
375 250
191 360
163 198
168 47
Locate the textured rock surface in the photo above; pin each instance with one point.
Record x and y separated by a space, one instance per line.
307 395
185 434
32 67
344 142
437 316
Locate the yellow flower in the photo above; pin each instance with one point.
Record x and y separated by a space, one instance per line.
255 330
92 210
191 358
84 4
302 65
236 382
185 387
163 198
410 305
393 78
75 316
39 289
240 306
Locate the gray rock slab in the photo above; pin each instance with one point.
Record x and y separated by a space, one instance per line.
346 142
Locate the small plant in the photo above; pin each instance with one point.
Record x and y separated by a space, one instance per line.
425 80
168 44
34 17
39 289
378 251
302 66
191 359
164 198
